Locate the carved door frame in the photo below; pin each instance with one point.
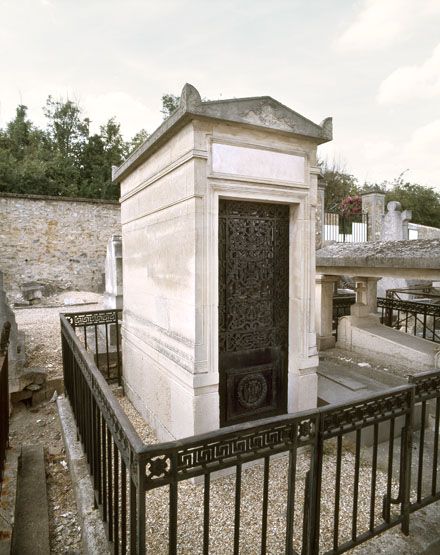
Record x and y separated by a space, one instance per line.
301 262
253 309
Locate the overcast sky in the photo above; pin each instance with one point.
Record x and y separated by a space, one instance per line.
374 65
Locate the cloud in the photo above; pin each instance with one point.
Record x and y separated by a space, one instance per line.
420 155
412 82
381 23
130 112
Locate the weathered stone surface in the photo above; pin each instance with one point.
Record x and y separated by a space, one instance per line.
113 273
59 242
31 527
16 340
262 111
381 254
170 193
395 223
32 291
418 231
374 205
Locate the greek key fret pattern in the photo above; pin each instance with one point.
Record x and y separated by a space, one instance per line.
94 318
219 452
364 413
427 386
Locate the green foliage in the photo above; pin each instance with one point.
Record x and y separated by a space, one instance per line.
170 103
423 201
64 159
140 137
339 185
342 191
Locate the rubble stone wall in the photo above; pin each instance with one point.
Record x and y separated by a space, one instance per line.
60 242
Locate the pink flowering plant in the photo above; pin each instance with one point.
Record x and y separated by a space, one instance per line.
351 205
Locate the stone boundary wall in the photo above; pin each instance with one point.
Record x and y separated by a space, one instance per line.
58 241
424 231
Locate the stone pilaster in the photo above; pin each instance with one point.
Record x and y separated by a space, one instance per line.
325 286
374 205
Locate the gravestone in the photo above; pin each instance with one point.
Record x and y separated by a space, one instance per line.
113 273
395 223
218 212
394 228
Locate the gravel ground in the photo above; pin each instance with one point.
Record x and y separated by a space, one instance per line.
190 515
41 424
42 328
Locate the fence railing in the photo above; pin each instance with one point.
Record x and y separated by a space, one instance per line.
341 307
351 228
345 477
100 333
4 396
419 318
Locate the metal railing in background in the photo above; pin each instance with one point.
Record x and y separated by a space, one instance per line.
112 446
426 479
4 396
363 449
100 332
418 318
415 293
341 307
351 228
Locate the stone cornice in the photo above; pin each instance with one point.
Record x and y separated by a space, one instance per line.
261 112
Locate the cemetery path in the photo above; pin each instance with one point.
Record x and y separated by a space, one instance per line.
40 424
41 326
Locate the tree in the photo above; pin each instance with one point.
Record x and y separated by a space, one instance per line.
423 201
67 129
170 103
339 185
101 152
140 137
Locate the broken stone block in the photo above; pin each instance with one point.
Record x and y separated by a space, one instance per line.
18 396
33 375
32 291
33 387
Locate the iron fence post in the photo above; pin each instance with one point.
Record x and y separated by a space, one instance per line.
140 506
314 491
407 462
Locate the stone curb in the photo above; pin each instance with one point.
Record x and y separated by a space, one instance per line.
94 539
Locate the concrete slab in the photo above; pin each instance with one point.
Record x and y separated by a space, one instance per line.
343 380
31 527
368 337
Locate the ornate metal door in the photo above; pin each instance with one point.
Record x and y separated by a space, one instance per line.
253 310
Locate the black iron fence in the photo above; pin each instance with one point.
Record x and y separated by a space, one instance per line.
100 333
352 228
4 396
341 307
346 475
419 318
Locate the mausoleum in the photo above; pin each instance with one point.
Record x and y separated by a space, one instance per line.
218 239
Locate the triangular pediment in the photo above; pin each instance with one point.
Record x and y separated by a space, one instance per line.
261 111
